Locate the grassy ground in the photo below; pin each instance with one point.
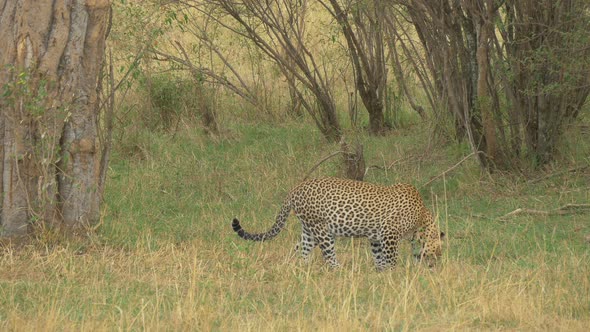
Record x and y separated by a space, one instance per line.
165 257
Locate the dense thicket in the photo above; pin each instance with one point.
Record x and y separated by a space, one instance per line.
511 73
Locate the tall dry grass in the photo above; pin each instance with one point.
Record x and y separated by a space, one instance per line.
207 286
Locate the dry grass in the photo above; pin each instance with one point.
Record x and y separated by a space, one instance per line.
206 286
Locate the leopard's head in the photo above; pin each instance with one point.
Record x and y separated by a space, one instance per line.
427 245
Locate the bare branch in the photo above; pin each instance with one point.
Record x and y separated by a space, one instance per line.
451 168
331 155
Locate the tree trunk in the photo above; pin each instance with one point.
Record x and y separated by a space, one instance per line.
484 99
362 27
329 125
353 160
50 156
377 124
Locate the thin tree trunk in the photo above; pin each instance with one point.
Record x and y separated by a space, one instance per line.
50 154
484 99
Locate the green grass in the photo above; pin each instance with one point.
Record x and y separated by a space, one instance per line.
165 257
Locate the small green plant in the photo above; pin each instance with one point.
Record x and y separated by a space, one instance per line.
30 99
173 100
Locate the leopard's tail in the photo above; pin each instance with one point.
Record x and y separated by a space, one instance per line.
274 231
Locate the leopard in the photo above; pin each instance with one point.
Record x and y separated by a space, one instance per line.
331 207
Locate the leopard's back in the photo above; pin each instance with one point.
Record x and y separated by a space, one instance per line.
355 208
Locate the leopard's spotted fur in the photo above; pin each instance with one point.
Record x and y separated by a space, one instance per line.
331 207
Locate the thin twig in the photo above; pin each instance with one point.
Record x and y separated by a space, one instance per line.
391 164
451 168
108 125
320 162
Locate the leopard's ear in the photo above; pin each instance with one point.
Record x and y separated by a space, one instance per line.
442 235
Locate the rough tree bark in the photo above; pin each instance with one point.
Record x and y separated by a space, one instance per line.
51 54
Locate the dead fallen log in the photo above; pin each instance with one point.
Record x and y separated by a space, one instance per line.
564 210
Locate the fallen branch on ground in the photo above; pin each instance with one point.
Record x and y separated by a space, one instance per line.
564 210
571 170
